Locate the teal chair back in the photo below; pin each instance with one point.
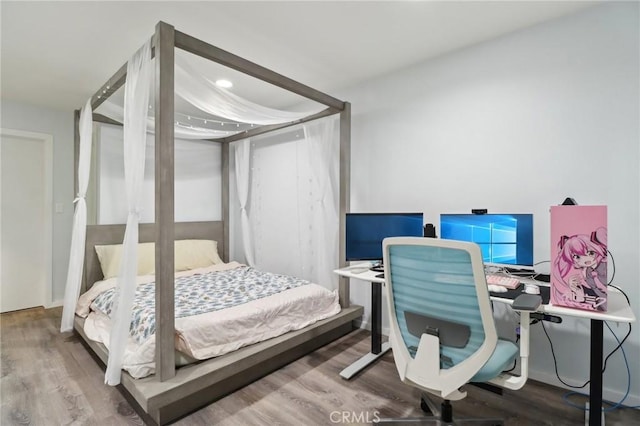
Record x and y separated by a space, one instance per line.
442 283
438 281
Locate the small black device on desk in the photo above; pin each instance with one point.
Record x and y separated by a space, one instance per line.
542 277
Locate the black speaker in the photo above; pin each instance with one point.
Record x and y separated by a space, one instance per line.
430 231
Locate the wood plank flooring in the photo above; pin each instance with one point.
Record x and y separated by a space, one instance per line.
49 378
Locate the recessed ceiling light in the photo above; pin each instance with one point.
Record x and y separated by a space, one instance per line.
224 83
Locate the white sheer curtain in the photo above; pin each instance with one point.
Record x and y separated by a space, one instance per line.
205 95
199 91
79 231
294 202
321 258
116 112
243 177
139 72
277 198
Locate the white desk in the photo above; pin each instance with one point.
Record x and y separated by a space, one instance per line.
618 310
377 347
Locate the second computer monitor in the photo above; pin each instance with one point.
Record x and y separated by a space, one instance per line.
503 238
365 232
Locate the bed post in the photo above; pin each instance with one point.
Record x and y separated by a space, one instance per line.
345 196
164 200
225 201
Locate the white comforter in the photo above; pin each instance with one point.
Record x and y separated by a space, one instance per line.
215 333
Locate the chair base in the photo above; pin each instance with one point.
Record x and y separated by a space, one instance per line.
442 416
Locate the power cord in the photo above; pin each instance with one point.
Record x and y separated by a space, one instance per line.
604 367
555 362
623 293
617 347
613 273
619 404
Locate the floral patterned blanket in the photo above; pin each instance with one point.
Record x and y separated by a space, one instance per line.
199 294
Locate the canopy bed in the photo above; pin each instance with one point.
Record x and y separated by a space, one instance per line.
173 392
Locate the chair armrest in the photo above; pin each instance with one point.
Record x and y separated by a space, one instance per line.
527 302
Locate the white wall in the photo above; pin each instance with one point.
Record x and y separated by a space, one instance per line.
516 125
59 124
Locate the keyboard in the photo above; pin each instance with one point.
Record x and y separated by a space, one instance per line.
504 281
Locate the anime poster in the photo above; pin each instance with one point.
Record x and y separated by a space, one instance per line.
579 257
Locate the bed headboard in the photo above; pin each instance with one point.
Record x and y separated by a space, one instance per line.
114 234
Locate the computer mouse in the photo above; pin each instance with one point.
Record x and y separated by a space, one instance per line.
531 289
496 288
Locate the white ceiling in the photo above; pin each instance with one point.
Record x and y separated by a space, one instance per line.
56 54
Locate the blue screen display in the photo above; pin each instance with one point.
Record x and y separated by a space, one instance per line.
503 238
365 232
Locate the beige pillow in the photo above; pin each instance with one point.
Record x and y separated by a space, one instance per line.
110 255
189 254
192 254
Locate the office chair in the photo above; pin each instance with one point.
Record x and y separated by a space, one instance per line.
442 330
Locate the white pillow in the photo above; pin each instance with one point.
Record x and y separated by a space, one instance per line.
189 254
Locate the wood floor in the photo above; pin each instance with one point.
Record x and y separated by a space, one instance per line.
48 378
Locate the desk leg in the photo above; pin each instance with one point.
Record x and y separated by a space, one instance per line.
376 318
595 393
377 348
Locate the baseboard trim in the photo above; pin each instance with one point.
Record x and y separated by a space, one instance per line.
608 394
54 304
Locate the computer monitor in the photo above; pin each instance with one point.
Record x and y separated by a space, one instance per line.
365 232
503 238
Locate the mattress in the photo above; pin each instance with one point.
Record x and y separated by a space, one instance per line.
219 309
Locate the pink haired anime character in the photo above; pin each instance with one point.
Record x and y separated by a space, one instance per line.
580 271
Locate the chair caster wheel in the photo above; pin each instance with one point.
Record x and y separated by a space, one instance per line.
424 406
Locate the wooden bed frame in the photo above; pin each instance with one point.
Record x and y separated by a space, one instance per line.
172 393
196 385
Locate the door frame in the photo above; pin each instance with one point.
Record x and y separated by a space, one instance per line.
47 141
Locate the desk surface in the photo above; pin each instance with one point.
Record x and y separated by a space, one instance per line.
618 310
360 272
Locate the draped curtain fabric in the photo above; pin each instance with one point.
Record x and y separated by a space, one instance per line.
294 202
116 112
321 258
79 230
199 91
277 200
139 72
243 177
205 95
